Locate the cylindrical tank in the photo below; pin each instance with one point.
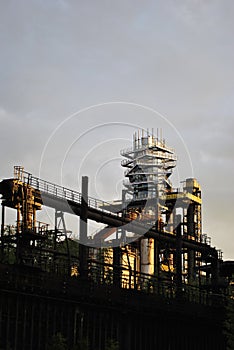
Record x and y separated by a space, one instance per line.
147 255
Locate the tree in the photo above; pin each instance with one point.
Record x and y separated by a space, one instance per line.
58 342
83 344
112 344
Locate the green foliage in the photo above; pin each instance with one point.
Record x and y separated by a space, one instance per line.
58 342
83 344
112 344
229 324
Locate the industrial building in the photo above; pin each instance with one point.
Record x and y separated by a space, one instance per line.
148 279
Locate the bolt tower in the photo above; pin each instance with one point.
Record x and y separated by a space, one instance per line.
149 165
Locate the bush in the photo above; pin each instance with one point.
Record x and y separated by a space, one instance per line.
58 342
112 345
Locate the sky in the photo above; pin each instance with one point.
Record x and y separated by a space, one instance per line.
77 78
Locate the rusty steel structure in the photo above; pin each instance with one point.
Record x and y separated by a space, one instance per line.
150 263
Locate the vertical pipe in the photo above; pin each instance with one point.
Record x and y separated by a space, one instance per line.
18 234
18 218
156 262
190 233
117 255
134 271
34 219
178 256
83 249
55 236
147 255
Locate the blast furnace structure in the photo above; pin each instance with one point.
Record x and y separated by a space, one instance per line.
149 265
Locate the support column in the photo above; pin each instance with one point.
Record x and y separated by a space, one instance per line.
18 231
156 258
62 231
83 249
156 265
191 253
178 256
214 271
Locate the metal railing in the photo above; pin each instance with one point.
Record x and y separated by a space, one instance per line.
143 160
142 147
59 191
103 274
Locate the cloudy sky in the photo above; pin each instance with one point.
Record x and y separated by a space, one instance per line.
77 78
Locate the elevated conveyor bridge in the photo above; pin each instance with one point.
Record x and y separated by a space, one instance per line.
69 201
